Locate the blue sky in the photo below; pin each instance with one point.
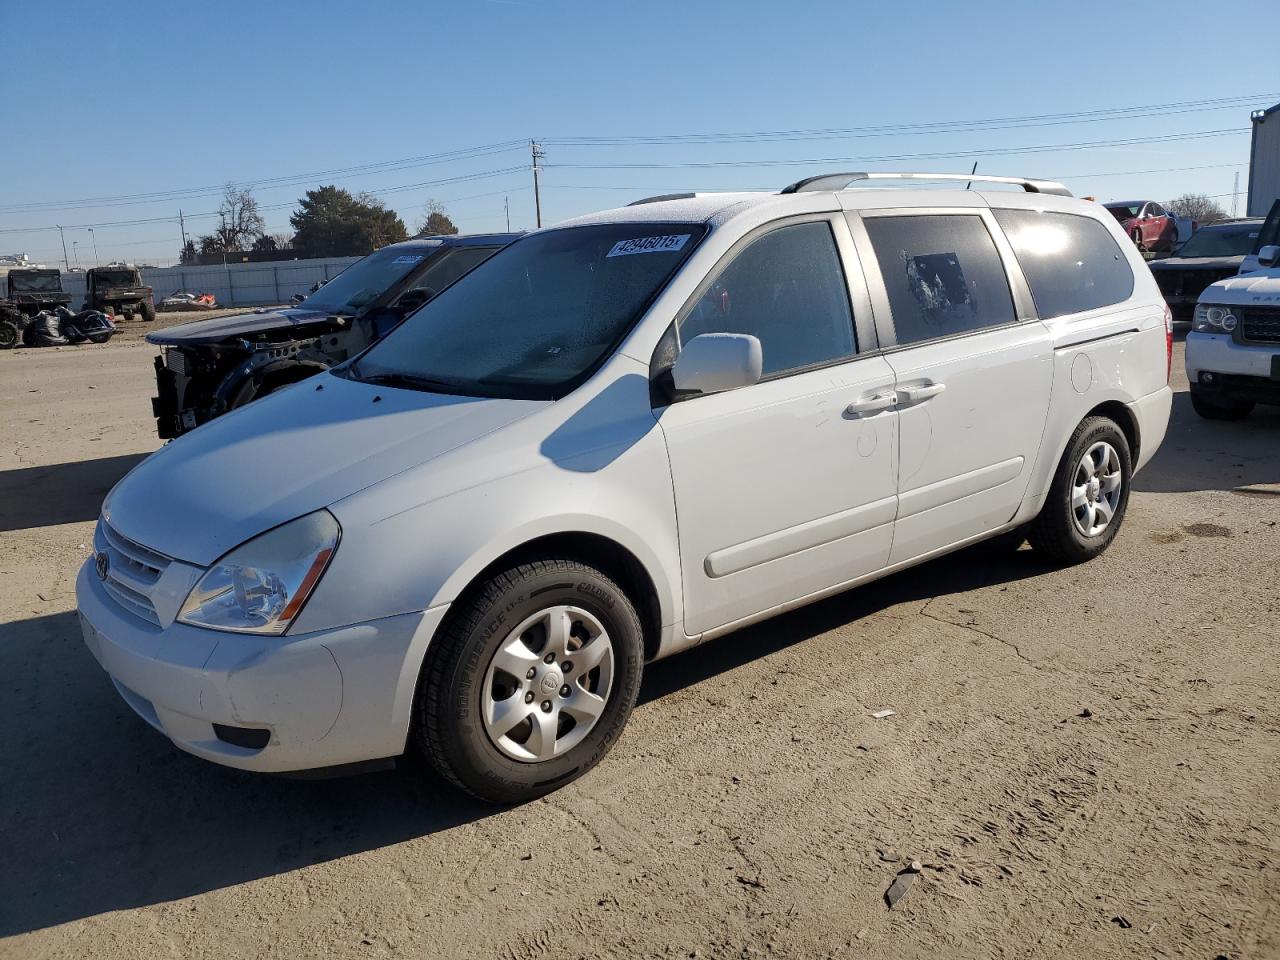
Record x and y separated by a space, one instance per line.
180 98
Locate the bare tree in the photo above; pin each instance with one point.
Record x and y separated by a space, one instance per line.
1197 207
240 221
284 241
435 221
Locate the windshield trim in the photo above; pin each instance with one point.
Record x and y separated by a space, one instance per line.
553 391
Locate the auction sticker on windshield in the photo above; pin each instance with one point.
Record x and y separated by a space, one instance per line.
406 259
664 244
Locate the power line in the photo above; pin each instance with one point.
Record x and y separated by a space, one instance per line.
464 178
916 129
266 183
983 152
883 130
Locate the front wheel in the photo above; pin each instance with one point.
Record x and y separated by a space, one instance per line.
1089 494
148 311
10 335
530 680
1213 407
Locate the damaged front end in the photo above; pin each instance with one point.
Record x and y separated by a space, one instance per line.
199 380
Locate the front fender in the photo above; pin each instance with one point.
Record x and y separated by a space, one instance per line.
424 555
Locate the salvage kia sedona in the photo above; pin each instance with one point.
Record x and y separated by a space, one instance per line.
616 439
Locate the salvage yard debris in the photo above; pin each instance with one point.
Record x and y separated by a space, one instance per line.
902 883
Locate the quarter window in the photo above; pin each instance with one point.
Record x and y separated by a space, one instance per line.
942 273
787 289
1072 263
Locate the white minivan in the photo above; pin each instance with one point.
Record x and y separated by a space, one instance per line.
615 439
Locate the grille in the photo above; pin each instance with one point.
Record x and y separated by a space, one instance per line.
1260 324
1188 283
178 361
132 572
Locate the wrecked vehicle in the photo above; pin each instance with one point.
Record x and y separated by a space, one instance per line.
118 290
182 300
211 366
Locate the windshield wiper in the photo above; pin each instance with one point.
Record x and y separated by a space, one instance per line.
411 382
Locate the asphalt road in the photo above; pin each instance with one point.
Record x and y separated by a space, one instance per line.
1085 761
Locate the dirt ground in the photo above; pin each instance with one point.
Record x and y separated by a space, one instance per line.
1085 761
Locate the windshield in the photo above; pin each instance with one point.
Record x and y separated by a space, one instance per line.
1124 211
116 278
1235 241
366 280
46 281
537 316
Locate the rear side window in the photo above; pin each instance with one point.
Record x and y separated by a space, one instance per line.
942 273
785 288
1071 262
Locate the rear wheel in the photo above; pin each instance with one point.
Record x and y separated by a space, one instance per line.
530 681
10 335
1213 407
1089 494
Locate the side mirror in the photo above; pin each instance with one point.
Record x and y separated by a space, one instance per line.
297 298
1268 256
712 362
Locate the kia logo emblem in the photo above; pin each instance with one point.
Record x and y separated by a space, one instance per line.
100 563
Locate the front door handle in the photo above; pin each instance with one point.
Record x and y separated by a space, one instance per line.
920 392
871 403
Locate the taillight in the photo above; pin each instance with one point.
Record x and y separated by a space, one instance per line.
1168 343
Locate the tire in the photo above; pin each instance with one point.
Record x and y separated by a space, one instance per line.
1085 507
1219 408
10 335
148 311
505 622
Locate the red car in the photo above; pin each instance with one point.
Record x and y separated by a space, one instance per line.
1147 223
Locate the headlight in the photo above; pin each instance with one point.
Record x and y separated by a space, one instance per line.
1214 318
261 585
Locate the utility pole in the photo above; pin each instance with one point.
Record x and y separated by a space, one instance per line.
95 246
537 192
65 262
1235 197
182 225
75 251
506 208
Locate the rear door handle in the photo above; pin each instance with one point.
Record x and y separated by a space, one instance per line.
871 403
919 393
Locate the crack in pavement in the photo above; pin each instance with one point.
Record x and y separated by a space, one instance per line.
924 612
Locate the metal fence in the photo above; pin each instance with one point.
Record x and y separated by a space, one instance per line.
235 285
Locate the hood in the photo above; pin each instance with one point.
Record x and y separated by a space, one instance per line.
286 455
217 329
1197 263
1262 287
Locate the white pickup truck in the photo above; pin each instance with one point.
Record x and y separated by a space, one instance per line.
1233 349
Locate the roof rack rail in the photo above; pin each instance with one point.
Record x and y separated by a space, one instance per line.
838 181
663 196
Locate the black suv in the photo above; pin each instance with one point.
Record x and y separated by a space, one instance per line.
211 366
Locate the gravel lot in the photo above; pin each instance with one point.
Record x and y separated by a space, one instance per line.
1084 760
